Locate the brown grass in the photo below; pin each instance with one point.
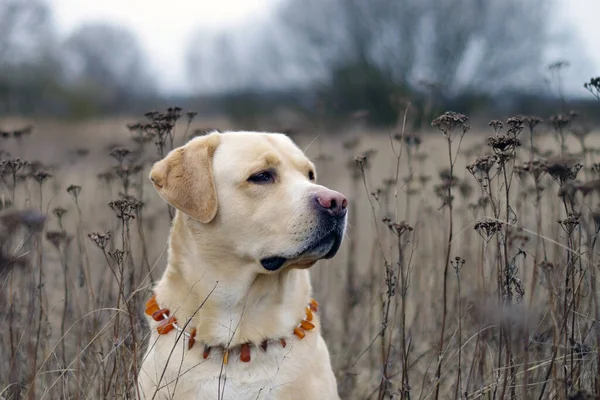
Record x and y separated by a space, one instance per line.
500 305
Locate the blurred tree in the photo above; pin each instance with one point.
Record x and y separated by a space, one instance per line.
212 63
108 61
383 46
29 61
26 31
359 54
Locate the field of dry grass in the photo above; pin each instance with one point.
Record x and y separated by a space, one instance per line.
469 269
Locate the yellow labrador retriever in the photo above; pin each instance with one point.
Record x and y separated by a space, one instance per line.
232 316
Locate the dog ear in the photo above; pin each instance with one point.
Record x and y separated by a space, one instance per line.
184 178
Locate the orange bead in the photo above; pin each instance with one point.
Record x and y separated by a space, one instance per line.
309 314
151 305
314 306
206 352
299 332
192 339
307 326
245 355
165 326
158 315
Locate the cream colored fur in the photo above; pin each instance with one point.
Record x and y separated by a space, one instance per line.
214 282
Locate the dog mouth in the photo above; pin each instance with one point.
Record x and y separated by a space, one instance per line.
325 247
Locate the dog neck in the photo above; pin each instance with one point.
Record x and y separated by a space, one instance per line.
223 297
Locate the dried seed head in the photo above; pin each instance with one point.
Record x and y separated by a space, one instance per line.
376 194
423 179
397 229
581 132
559 121
41 176
457 264
515 125
120 153
503 143
449 121
190 116
100 239
107 176
593 86
465 189
135 127
57 238
13 166
536 168
74 190
496 124
444 189
362 161
412 140
59 212
124 209
570 223
531 121
488 228
151 114
563 169
135 204
482 165
117 256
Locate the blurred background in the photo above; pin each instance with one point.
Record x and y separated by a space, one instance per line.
285 62
357 84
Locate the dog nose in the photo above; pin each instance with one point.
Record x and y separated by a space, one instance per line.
333 202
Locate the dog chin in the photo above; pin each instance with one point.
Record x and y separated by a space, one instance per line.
323 248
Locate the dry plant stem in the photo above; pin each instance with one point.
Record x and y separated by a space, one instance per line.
458 372
85 261
446 266
40 315
594 288
403 269
477 350
383 387
404 279
352 292
507 283
536 266
13 349
141 233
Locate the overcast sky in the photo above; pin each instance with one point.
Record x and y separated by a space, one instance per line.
164 27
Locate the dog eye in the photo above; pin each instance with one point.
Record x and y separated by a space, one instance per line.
262 177
311 175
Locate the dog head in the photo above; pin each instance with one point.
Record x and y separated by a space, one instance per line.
255 194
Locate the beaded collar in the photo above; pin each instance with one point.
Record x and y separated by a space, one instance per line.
167 322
